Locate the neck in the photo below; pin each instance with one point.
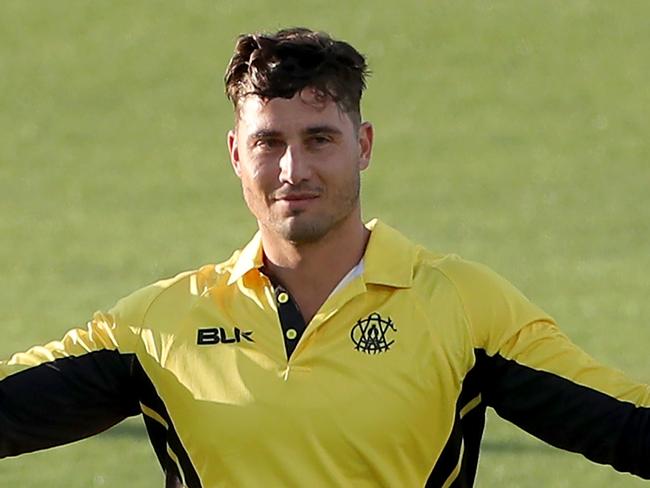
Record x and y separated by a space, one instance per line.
329 259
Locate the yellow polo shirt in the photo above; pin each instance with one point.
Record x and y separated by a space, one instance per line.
387 386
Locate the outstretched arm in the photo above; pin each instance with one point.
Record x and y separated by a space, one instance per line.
546 385
534 376
66 390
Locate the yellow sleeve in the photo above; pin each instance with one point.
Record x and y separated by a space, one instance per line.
534 376
75 387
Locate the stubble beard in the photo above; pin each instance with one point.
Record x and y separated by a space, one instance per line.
301 229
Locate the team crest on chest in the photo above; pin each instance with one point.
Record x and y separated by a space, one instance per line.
373 334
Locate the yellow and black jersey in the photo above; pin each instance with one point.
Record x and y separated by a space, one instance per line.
386 386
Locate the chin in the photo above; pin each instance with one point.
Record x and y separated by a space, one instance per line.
303 231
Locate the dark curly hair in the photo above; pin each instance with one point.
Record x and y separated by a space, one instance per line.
284 63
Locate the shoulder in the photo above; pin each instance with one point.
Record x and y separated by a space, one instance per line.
474 284
457 272
465 275
494 308
179 291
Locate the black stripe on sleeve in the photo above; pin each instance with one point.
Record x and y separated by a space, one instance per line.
161 436
448 459
65 400
465 437
569 416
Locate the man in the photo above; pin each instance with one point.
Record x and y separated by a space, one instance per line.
326 352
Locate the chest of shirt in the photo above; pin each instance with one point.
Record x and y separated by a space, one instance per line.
368 355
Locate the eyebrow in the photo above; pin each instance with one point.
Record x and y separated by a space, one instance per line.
316 129
322 129
264 134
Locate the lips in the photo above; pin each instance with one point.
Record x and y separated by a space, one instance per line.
296 202
293 197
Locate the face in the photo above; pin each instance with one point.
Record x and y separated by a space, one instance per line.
299 161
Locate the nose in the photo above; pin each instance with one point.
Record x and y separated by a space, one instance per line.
294 167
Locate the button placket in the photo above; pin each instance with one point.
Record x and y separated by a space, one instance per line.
291 320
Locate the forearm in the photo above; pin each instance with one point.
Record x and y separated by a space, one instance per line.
53 395
543 383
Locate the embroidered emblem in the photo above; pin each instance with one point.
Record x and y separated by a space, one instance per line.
372 334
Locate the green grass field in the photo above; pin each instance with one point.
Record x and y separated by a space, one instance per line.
511 132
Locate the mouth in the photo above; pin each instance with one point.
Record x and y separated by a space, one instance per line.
296 202
296 197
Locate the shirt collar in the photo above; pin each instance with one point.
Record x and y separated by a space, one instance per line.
389 258
251 257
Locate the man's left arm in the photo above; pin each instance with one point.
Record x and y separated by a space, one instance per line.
535 377
542 382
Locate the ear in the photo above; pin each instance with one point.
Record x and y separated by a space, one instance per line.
366 136
233 150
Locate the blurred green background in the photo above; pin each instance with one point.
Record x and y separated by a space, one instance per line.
511 132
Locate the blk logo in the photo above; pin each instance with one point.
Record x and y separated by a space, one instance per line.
218 335
372 335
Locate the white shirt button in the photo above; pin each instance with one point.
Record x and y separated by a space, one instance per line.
283 297
291 334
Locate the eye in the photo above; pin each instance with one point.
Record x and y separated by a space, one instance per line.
319 140
268 144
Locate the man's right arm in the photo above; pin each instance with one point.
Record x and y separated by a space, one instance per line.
73 388
62 392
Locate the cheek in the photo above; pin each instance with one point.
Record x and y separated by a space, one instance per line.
259 178
340 172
